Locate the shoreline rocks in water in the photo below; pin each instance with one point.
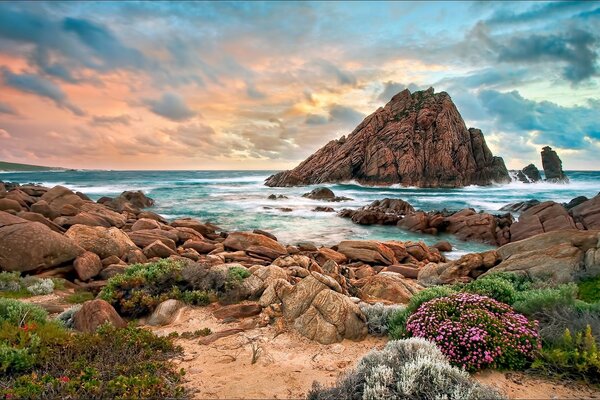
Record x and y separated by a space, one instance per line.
553 166
417 139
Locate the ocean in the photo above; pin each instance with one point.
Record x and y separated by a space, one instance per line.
237 200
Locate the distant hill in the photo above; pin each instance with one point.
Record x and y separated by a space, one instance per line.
6 166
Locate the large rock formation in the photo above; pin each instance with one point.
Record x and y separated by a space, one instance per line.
417 139
553 166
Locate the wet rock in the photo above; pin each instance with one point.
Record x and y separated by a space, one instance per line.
553 166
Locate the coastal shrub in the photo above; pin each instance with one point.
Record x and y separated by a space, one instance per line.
574 356
492 286
476 332
397 320
237 274
405 369
109 363
19 313
589 290
12 285
378 316
530 301
143 287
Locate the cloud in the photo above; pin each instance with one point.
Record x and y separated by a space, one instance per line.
7 109
314 119
538 12
545 122
40 86
4 134
253 92
390 89
576 48
109 120
170 106
346 115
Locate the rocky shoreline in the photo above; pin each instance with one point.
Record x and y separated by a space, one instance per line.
55 232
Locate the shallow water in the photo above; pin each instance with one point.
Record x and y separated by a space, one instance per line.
236 200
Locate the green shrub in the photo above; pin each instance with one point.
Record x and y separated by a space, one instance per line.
20 313
531 301
572 357
143 287
12 285
397 320
45 361
236 275
589 290
493 286
378 316
66 318
79 297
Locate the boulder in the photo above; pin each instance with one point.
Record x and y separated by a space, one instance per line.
145 223
320 193
417 139
59 196
10 205
465 269
481 227
381 212
165 313
587 213
34 217
146 237
42 207
200 246
520 206
320 313
112 270
443 245
87 265
557 256
158 249
203 229
545 217
243 240
368 251
30 246
325 254
95 313
137 198
105 242
532 173
388 286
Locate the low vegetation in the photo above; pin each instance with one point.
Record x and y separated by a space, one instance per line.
405 369
40 358
12 285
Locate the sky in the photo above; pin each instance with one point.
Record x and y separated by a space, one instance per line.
251 85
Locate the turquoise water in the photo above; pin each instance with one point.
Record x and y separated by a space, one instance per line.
235 200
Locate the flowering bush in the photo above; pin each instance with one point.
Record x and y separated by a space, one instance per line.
475 331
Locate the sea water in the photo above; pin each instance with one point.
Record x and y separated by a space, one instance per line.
237 200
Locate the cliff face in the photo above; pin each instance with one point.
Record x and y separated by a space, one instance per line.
553 166
417 139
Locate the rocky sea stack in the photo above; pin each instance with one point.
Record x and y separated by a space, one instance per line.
417 139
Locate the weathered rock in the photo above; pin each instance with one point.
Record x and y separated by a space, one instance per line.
417 139
112 260
238 311
464 269
59 196
320 193
265 233
105 242
408 271
321 314
165 313
185 234
31 246
138 199
158 249
153 216
587 213
553 166
323 209
145 237
381 212
94 313
368 251
482 227
112 270
557 257
87 265
574 202
203 229
545 217
325 253
34 217
135 256
200 247
443 245
243 240
10 205
145 223
42 207
388 286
